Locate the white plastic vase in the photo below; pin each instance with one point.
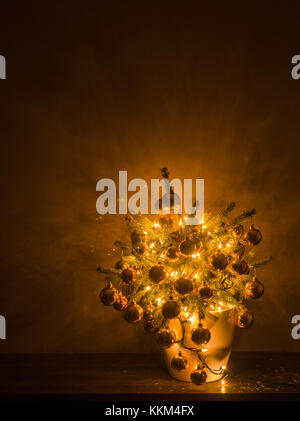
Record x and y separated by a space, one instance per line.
216 352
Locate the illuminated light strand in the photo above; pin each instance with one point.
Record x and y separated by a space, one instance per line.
218 372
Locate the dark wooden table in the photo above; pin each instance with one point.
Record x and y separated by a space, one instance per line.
135 376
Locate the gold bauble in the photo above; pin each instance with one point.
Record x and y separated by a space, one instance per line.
183 286
244 319
205 292
148 314
121 303
128 275
108 295
239 267
187 247
172 253
198 376
238 231
157 274
137 237
166 221
179 363
171 309
253 236
133 313
254 289
200 335
166 338
218 261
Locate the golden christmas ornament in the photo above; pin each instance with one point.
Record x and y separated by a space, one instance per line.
200 335
162 201
239 267
133 313
108 295
121 303
166 338
137 238
157 274
254 289
171 309
244 319
148 314
218 261
253 236
238 231
172 253
183 286
179 362
198 376
166 221
187 247
205 292
128 275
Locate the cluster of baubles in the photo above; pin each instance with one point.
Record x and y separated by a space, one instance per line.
180 363
183 285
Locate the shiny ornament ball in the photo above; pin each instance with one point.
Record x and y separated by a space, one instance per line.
137 237
179 363
171 309
133 313
183 286
172 253
238 231
166 221
187 247
148 314
162 203
244 319
157 274
128 276
200 335
108 295
166 338
198 376
254 289
205 292
218 261
239 267
253 236
121 303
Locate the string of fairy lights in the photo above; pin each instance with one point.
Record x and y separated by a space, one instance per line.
170 270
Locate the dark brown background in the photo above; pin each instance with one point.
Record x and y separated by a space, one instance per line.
94 89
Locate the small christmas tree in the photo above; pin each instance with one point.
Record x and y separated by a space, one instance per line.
171 270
